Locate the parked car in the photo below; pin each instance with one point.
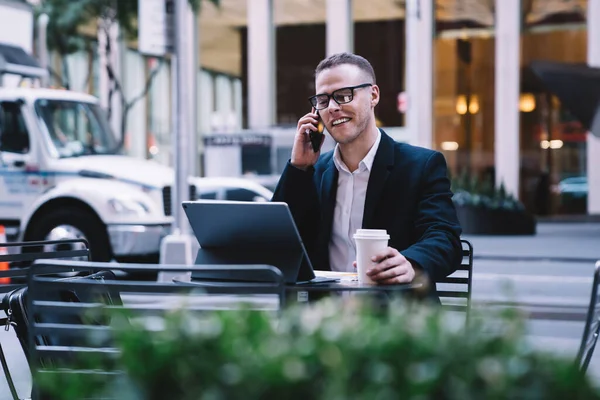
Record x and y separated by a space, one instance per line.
238 189
576 187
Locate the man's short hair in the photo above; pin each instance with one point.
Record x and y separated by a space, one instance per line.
346 58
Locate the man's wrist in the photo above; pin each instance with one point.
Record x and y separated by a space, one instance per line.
301 167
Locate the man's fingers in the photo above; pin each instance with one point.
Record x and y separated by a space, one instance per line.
406 278
307 119
388 272
306 127
387 253
385 265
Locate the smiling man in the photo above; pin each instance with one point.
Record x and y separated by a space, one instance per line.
368 181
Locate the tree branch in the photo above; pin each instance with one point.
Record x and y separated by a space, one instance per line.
147 86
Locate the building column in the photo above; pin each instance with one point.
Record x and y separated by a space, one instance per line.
261 65
420 31
507 81
593 143
339 27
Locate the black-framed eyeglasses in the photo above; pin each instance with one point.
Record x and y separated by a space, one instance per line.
340 96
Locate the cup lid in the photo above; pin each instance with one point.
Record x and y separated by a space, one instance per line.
371 234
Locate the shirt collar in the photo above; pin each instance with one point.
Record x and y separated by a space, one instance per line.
365 164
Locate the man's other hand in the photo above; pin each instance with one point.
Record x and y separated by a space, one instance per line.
390 267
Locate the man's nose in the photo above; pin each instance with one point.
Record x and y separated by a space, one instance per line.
333 105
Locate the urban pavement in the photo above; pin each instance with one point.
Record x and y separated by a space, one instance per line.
548 276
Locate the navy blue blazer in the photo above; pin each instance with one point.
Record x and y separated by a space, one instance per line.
408 194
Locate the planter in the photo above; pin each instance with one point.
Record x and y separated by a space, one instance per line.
484 221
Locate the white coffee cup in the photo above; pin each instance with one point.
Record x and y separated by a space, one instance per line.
369 242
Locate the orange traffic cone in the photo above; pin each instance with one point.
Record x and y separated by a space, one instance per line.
3 264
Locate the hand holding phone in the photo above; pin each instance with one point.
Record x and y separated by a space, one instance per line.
307 141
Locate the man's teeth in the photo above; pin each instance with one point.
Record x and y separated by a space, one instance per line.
339 121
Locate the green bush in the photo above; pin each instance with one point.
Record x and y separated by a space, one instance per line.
471 191
331 350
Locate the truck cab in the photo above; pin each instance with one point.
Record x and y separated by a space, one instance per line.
62 175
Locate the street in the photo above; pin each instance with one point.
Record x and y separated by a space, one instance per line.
554 295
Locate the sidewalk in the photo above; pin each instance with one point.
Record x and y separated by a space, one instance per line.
553 239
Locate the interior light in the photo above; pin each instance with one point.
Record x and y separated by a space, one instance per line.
461 104
526 102
474 105
556 144
449 146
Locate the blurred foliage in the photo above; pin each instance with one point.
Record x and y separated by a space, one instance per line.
328 350
469 190
66 17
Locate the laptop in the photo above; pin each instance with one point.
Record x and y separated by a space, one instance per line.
239 232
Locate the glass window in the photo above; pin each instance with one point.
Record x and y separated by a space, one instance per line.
379 36
241 194
76 128
553 141
13 131
464 54
209 195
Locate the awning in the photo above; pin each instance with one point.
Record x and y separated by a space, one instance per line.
14 60
578 88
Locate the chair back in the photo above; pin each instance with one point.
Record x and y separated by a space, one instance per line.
62 328
31 251
592 324
455 290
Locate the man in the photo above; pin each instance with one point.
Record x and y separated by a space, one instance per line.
368 181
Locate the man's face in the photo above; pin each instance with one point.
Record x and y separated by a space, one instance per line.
345 122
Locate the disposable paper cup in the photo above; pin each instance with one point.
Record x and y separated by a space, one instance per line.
368 243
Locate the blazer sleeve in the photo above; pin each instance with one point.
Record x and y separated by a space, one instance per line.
437 231
298 189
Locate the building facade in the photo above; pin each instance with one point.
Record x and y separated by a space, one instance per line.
454 75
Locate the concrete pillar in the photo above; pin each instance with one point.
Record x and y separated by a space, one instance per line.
507 81
593 142
224 101
205 101
420 26
339 27
261 65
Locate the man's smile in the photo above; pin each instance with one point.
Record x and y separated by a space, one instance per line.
340 121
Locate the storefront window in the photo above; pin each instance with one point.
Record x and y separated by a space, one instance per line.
379 36
553 141
464 59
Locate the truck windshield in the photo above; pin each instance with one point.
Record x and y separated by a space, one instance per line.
76 128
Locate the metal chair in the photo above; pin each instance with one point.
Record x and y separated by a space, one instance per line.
35 250
19 267
455 290
592 325
60 328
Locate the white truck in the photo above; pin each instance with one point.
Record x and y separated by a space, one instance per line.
62 175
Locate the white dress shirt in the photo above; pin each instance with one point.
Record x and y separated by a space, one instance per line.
349 208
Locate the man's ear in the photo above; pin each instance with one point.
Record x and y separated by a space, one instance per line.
374 95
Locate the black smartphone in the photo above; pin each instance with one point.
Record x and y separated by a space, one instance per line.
316 137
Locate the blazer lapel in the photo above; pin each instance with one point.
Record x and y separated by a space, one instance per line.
328 195
382 165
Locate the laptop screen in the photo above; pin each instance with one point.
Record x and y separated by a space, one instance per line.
232 232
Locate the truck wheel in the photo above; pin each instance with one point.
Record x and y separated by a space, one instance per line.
74 223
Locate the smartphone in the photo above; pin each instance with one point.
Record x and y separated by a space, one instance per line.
316 137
